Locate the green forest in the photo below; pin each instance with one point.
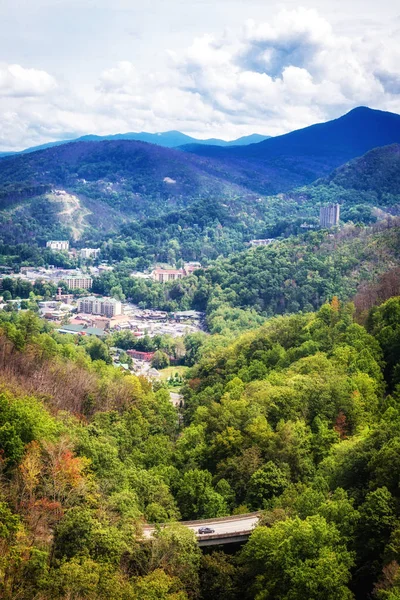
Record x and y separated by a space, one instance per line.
298 273
298 418
289 402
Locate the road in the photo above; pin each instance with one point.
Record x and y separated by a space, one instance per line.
235 524
176 399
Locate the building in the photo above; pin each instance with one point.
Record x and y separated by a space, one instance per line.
184 315
191 267
87 253
107 307
60 297
81 330
265 242
147 356
329 215
58 245
78 282
163 275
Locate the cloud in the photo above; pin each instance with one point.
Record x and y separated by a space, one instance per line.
271 77
15 81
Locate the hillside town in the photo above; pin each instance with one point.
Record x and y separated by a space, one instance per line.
74 310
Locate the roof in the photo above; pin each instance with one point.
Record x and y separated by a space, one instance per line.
159 270
81 329
73 328
187 313
99 299
94 331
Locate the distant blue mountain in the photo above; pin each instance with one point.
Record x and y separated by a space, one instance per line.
167 139
335 142
268 167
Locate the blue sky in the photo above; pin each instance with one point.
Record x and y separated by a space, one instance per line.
224 68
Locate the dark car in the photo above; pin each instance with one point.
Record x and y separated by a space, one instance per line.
206 530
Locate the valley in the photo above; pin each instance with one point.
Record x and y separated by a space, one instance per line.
187 340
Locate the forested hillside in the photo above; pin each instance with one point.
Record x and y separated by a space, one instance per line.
293 419
123 173
377 171
314 151
298 273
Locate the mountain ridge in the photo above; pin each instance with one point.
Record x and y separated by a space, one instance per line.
166 139
319 148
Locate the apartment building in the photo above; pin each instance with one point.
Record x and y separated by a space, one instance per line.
87 253
58 245
329 215
106 307
76 282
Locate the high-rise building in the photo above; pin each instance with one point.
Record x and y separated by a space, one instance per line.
78 282
107 307
329 215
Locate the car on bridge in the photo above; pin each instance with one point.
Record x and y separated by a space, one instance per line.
203 530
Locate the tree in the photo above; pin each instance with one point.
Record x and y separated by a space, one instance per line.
117 293
377 521
217 577
160 360
197 498
74 534
266 483
157 585
98 350
175 550
297 559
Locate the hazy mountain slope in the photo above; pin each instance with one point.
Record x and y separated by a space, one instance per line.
124 180
378 171
123 173
166 139
314 151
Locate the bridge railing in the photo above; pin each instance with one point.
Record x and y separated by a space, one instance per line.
206 521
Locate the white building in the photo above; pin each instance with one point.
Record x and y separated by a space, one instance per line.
58 245
86 253
78 282
265 242
107 307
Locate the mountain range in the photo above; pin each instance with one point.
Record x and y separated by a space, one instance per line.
312 152
127 180
166 139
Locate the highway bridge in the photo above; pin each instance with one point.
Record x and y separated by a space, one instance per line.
227 530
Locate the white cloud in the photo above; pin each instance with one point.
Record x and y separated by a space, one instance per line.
269 77
15 81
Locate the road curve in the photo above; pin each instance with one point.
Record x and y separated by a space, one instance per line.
224 525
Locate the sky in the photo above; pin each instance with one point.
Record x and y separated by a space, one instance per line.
224 68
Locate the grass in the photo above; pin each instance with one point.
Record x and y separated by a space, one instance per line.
170 372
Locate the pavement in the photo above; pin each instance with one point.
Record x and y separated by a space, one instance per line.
175 398
237 524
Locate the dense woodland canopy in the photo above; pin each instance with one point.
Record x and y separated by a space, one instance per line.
293 418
